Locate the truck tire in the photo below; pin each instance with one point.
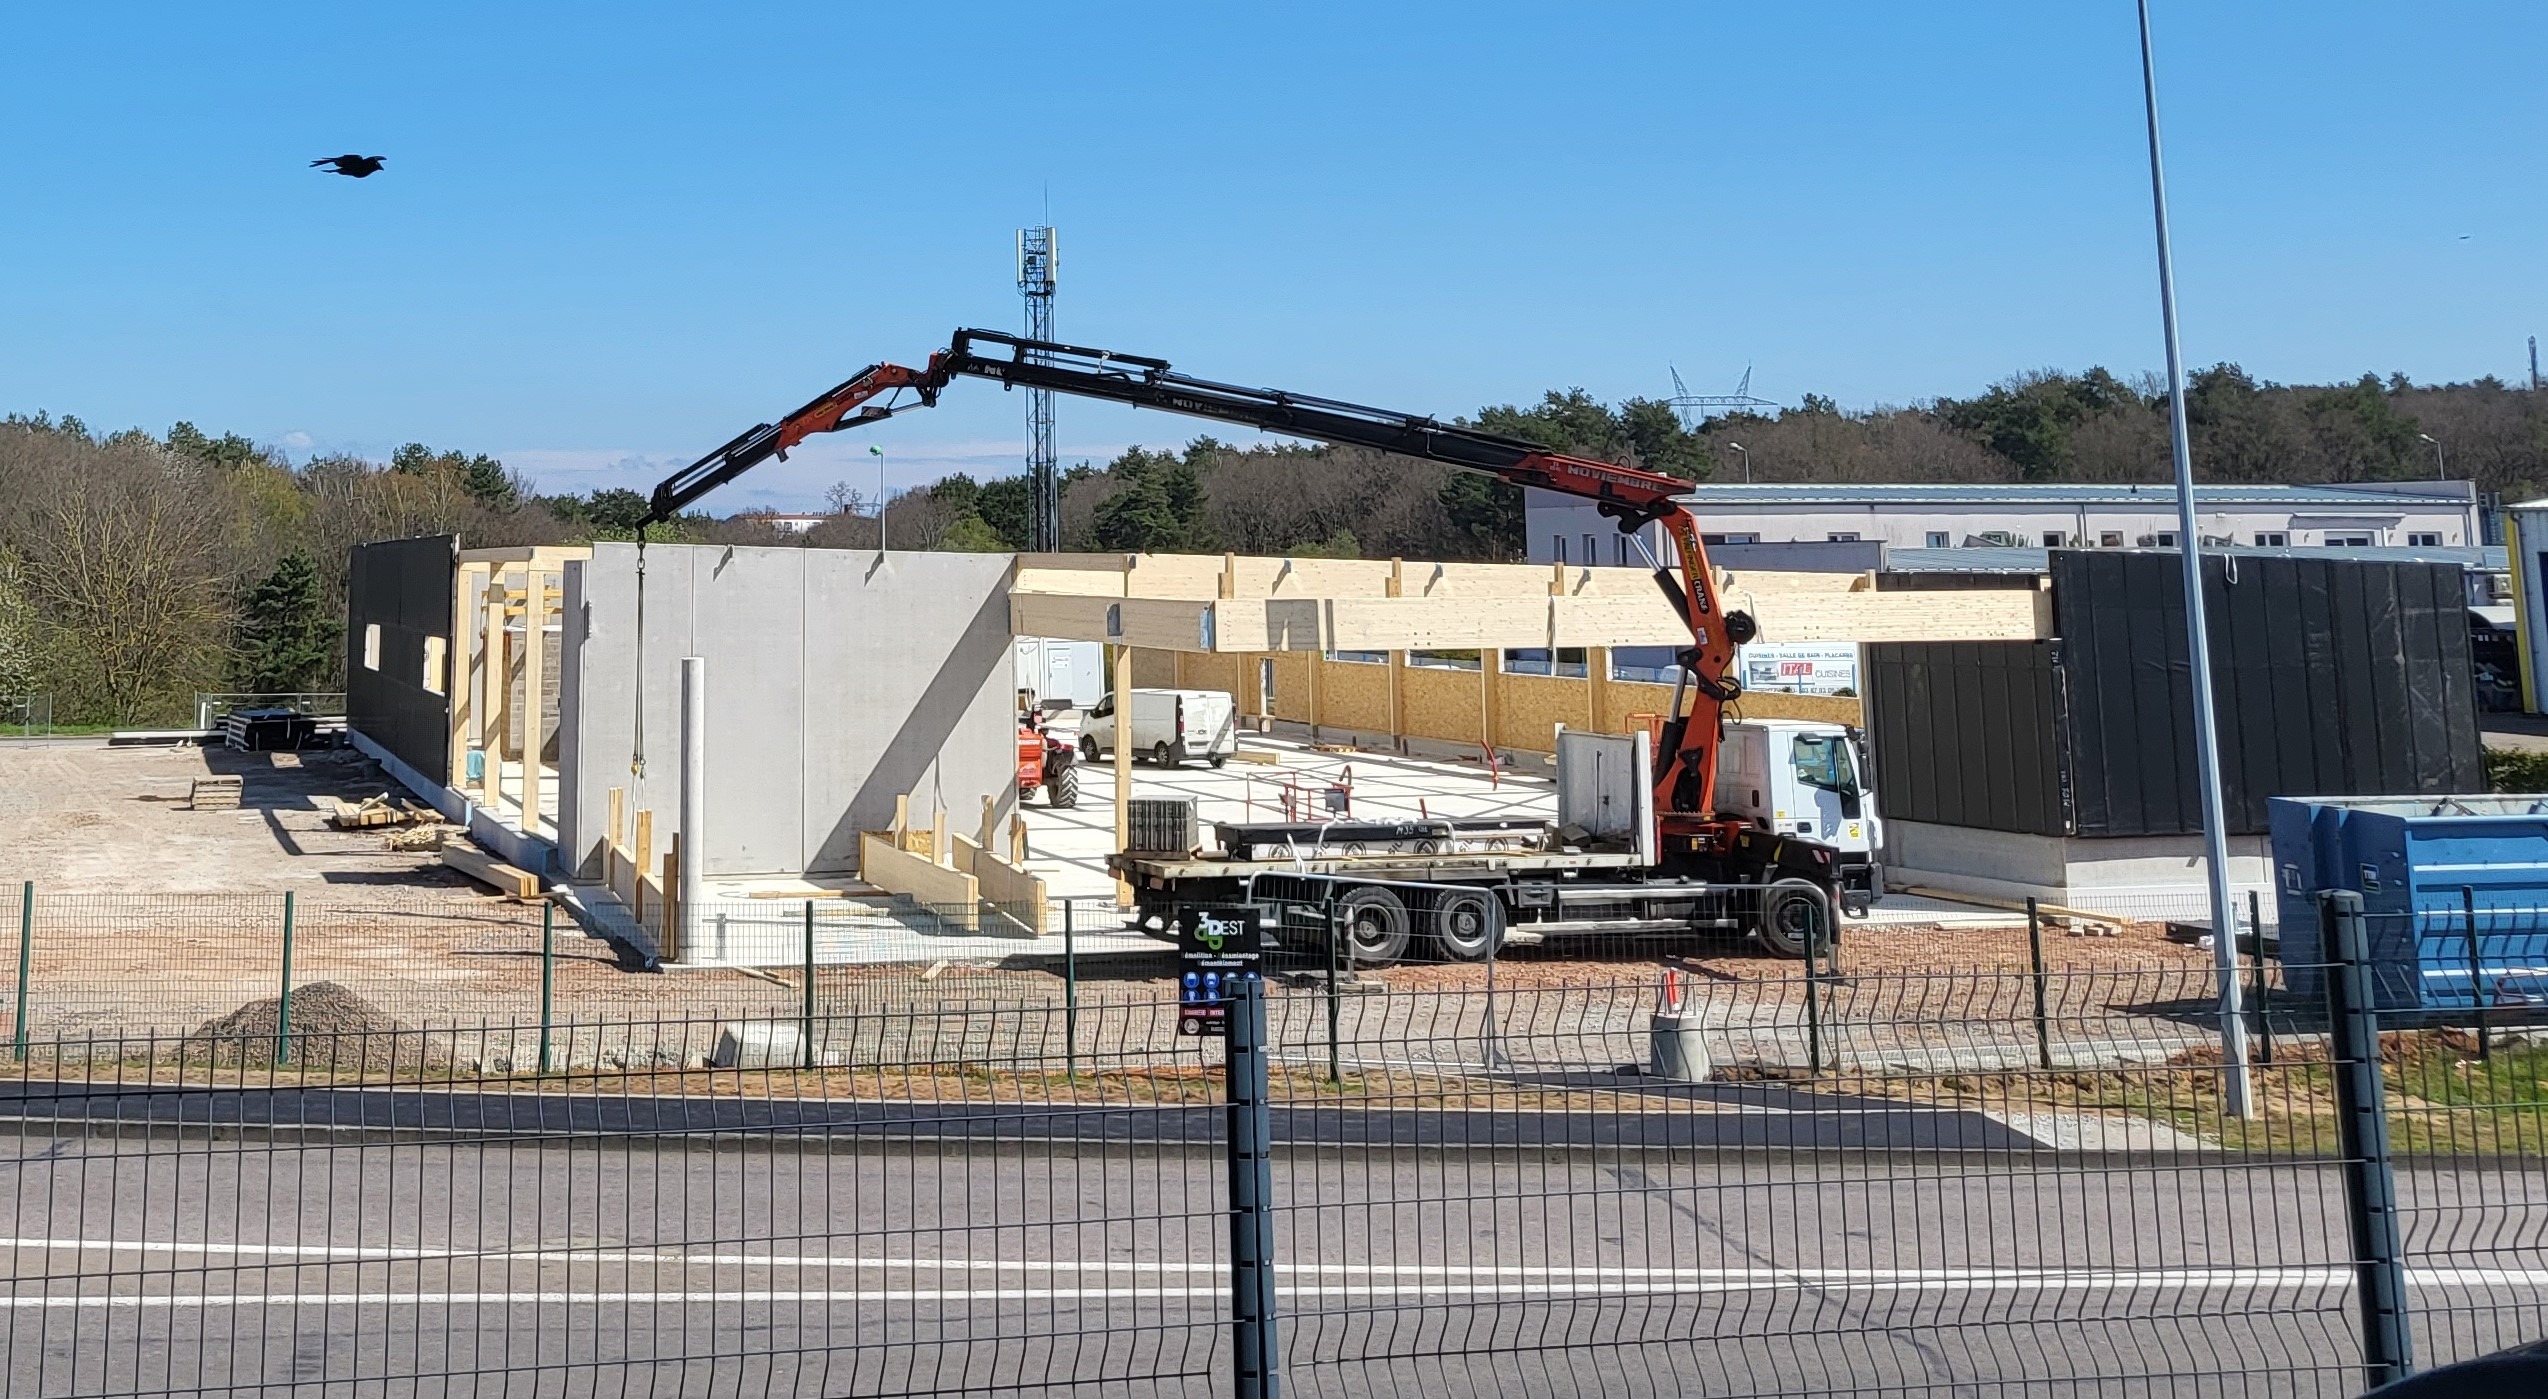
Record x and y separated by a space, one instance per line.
1375 923
1789 911
1088 748
1468 924
1062 792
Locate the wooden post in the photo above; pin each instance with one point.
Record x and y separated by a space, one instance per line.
1229 575
1398 665
1597 686
1317 692
1490 672
618 830
460 688
491 687
989 836
1017 841
1123 765
535 608
642 858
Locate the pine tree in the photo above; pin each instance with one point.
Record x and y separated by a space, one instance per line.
285 642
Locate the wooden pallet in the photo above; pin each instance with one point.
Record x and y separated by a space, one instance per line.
214 793
490 871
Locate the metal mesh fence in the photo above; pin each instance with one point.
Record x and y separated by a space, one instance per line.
1643 1171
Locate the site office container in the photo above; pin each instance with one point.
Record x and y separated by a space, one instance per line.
2421 865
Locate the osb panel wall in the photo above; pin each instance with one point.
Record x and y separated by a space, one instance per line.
1532 706
1628 697
1354 695
1442 704
1198 670
1154 670
1291 685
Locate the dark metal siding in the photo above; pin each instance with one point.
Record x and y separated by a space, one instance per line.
2330 676
403 586
1967 733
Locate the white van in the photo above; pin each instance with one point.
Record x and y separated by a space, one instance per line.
1168 726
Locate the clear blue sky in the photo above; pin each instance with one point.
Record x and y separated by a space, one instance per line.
611 237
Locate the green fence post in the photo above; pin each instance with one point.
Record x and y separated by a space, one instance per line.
283 1003
26 965
805 1030
1335 1010
2035 957
1070 994
548 975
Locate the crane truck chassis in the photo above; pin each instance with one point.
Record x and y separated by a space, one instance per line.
1459 890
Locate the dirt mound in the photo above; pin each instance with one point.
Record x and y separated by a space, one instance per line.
332 1029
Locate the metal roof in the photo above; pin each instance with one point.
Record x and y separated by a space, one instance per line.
2109 496
2486 559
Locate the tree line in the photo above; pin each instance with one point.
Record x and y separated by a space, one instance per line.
136 570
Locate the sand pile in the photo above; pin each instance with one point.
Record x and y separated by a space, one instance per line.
332 1030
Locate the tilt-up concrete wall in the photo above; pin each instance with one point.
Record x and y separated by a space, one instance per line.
836 680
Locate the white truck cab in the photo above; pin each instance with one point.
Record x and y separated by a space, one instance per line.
1169 727
1798 777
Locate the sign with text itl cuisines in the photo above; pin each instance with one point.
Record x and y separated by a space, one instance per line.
1216 949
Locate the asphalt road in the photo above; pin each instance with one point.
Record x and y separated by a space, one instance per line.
734 1262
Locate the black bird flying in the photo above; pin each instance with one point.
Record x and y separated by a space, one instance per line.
354 166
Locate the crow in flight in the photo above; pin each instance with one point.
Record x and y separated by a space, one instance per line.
356 166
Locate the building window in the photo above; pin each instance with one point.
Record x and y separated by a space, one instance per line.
1592 550
1938 538
2348 541
435 650
2110 539
1729 539
1559 544
1844 537
2053 539
1623 551
1443 660
2165 539
1359 657
2273 539
2424 540
371 646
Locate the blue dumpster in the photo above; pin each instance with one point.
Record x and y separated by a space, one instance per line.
2421 865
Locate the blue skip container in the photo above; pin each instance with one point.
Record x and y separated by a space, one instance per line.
2421 865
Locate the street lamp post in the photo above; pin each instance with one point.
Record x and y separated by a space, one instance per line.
2438 473
2207 760
879 454
1747 460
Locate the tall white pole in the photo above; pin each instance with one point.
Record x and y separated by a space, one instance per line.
2207 759
693 868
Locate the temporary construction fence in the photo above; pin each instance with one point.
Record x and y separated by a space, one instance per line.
1844 1181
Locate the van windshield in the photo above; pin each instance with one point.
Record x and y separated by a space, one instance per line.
1824 762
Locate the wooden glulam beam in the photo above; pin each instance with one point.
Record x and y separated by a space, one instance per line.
1252 625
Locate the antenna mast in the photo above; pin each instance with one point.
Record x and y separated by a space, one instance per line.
1035 280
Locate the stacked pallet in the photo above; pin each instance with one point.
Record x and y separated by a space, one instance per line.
214 793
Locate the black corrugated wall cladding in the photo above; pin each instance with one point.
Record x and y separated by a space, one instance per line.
1966 734
2330 676
402 586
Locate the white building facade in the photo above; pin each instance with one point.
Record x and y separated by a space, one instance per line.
2366 515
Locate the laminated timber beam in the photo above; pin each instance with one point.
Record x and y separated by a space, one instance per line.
1440 623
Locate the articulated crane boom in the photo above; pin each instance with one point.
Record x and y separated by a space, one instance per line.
1685 784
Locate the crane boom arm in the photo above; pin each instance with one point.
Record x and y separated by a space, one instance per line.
1685 783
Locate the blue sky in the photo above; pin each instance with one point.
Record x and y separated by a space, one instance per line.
611 237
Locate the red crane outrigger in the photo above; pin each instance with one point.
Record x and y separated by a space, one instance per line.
1688 830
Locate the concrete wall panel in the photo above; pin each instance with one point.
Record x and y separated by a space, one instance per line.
835 684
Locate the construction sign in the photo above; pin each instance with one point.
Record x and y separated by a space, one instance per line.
1216 948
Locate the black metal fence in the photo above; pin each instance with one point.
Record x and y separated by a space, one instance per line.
1663 1177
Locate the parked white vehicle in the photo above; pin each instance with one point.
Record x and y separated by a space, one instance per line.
1168 727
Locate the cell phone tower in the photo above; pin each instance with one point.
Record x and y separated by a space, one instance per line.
1035 268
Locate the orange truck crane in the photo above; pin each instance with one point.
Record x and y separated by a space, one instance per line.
1691 840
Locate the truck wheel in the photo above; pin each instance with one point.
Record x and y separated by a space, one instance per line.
1159 755
1376 925
1062 793
1790 911
1218 760
1088 748
1468 924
